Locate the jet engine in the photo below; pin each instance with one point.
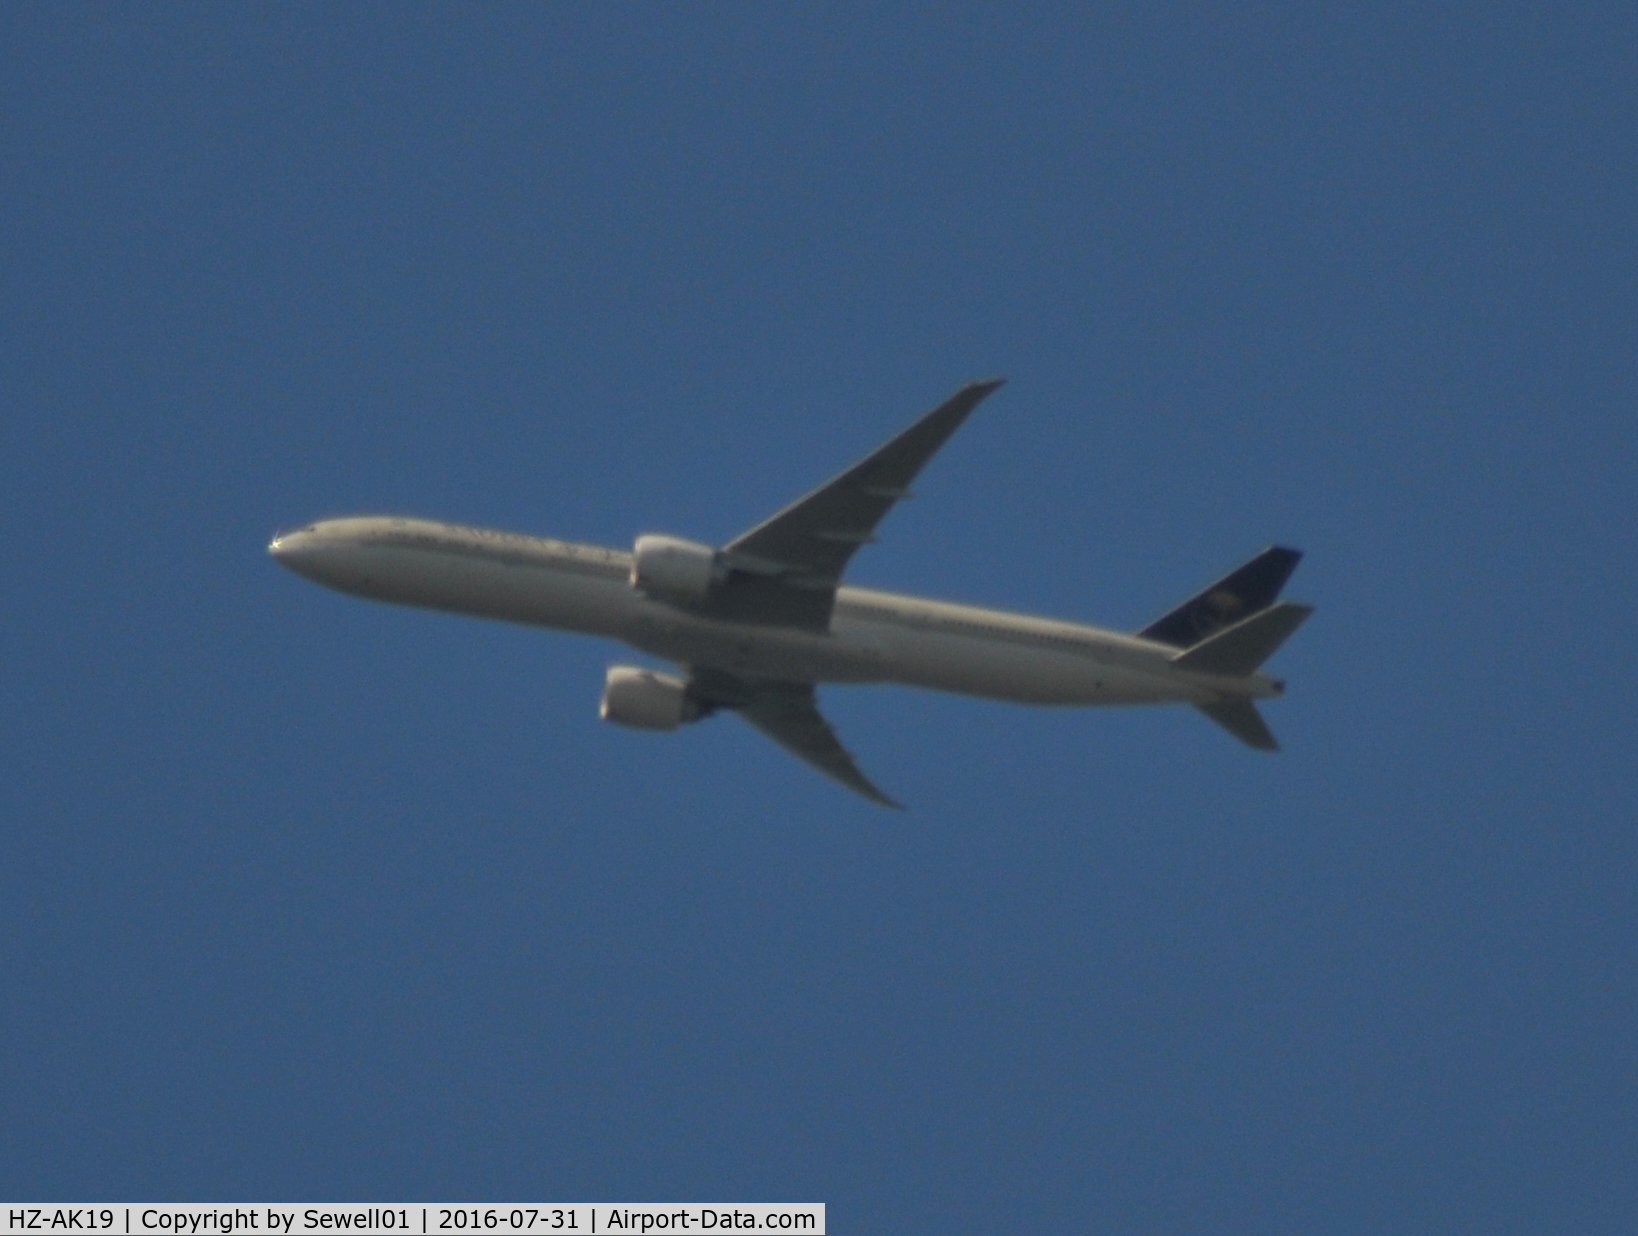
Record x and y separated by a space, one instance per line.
674 569
646 699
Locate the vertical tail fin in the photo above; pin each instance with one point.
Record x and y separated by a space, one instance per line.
1237 595
1229 629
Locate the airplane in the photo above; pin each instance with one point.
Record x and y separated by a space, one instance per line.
755 625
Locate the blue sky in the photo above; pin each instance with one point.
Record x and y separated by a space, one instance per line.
307 898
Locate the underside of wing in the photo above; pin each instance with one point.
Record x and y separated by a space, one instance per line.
788 713
786 569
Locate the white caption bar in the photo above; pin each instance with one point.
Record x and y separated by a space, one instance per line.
417 1219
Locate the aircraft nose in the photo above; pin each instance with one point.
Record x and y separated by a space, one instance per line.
292 549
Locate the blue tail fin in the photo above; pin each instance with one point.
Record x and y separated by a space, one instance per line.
1237 595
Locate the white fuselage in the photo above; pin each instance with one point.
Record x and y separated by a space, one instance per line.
874 636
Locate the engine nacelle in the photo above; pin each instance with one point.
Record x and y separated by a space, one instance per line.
646 699
675 569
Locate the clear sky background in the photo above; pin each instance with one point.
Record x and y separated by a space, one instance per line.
303 897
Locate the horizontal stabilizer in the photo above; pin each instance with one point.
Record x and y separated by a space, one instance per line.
1241 718
1242 591
1241 648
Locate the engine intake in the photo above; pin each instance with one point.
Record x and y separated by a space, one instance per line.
674 569
646 699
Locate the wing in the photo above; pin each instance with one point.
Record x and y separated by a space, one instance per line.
788 713
786 569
